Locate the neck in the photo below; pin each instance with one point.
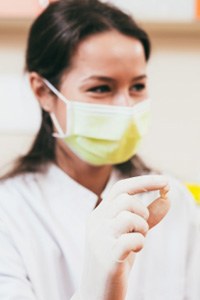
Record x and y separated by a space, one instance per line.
91 177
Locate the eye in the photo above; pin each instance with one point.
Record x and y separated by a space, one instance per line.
100 89
138 87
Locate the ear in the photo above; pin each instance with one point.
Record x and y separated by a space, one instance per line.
42 93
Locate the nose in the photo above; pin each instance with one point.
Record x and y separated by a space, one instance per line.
124 99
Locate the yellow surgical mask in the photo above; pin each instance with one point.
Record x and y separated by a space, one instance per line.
102 134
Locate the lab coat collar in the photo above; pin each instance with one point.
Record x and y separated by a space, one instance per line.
88 199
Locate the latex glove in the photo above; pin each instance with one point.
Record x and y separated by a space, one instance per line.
115 231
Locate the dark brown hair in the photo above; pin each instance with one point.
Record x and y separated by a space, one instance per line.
53 38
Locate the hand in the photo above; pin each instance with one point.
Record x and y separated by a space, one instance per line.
116 230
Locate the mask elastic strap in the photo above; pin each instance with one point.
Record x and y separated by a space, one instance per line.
53 117
55 91
60 133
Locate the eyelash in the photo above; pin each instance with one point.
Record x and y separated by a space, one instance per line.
106 89
100 89
139 87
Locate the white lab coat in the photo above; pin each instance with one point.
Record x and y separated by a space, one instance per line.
42 229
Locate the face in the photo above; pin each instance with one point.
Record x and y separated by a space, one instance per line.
109 68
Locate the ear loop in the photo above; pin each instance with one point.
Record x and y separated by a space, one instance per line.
60 133
55 91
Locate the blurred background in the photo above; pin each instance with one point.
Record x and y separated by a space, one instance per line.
173 143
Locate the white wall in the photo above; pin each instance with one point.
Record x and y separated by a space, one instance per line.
156 10
19 114
174 140
173 143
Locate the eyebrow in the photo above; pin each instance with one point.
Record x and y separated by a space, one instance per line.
105 78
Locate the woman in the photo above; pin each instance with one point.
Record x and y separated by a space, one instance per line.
74 211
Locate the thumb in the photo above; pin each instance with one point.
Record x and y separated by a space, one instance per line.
158 209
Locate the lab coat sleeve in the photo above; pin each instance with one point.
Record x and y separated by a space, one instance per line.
192 284
14 284
190 217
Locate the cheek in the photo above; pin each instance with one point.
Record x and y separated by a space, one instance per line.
60 112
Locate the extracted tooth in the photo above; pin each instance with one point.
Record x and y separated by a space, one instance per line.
164 191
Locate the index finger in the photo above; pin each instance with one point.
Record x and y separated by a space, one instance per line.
139 184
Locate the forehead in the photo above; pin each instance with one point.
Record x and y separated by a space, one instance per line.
109 50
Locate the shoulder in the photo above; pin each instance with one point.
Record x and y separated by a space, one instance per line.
32 187
13 192
17 184
16 192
